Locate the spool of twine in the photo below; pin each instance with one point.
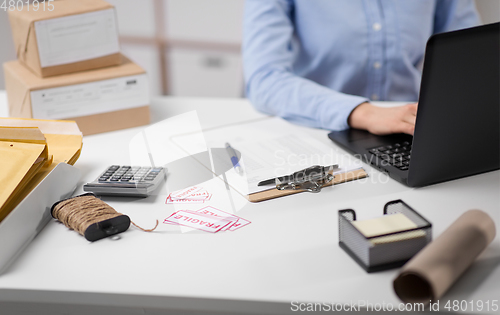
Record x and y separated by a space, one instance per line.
80 212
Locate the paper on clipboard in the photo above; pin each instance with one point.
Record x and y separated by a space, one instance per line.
269 148
283 155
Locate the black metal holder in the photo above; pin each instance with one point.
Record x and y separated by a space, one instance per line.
374 257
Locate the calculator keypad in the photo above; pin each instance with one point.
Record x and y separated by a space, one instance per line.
129 174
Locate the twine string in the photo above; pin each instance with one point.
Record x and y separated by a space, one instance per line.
80 212
145 230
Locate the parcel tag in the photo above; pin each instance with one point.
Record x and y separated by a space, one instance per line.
180 194
199 195
238 222
229 217
211 211
198 221
182 201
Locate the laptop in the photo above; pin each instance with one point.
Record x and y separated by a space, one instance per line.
457 132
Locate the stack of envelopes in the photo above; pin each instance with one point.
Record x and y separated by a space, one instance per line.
29 150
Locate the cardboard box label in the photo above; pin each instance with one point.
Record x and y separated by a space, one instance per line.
90 98
77 38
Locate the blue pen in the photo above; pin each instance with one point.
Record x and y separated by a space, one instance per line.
234 159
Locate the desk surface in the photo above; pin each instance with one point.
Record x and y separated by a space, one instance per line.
289 253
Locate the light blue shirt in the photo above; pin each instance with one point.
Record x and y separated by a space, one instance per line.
313 61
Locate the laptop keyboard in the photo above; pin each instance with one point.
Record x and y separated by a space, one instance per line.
397 154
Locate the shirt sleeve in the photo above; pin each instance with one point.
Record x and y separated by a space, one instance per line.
453 15
269 49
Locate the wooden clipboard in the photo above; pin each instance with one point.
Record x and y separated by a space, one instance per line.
337 179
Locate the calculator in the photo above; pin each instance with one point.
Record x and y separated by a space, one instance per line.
133 181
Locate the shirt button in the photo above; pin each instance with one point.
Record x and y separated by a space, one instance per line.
374 97
377 26
377 65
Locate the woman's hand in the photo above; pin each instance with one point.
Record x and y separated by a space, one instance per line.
384 120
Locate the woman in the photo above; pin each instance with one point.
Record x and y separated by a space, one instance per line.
320 62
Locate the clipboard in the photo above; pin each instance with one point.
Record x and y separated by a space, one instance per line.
337 179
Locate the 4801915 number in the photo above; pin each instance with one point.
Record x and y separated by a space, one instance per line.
31 5
472 306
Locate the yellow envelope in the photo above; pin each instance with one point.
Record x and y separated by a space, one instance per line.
19 163
64 138
64 141
22 134
26 135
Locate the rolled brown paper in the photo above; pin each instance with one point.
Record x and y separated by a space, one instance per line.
428 275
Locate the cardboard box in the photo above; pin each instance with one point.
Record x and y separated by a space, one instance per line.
98 100
76 35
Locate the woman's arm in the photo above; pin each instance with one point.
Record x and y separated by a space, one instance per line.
268 55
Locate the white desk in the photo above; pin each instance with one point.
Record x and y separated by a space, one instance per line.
289 253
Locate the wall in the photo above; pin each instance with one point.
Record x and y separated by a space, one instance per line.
7 51
489 10
188 47
192 46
